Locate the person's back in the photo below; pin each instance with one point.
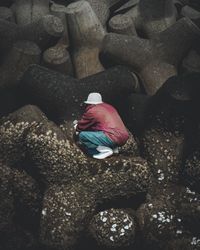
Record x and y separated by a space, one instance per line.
107 119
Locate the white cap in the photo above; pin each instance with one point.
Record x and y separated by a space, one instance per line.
94 98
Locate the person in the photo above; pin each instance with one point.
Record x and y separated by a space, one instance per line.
100 130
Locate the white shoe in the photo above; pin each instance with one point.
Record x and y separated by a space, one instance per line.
103 149
103 155
116 150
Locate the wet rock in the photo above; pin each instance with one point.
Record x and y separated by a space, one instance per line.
86 33
28 11
48 90
154 60
22 54
113 228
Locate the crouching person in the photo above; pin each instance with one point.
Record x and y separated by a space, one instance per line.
101 130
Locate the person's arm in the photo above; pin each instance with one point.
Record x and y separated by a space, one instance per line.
86 122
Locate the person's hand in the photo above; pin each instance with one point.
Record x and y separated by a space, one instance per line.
75 123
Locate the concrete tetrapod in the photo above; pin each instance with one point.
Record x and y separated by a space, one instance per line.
12 131
113 228
27 199
60 11
191 63
61 97
28 11
6 14
166 131
45 32
68 209
170 219
58 58
7 200
86 33
122 25
152 16
189 12
154 60
22 54
101 9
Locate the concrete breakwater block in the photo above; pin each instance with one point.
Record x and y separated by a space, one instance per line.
71 207
22 54
45 32
49 89
28 11
86 33
155 60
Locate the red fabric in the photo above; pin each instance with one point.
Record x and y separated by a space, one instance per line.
104 117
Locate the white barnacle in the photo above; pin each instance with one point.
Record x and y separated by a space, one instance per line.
154 216
111 238
44 212
104 219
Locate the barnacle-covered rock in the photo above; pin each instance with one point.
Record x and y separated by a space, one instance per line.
66 211
125 177
27 197
163 149
18 238
192 169
67 208
6 197
12 133
113 228
170 216
52 155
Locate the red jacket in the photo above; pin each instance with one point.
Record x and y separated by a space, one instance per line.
104 117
